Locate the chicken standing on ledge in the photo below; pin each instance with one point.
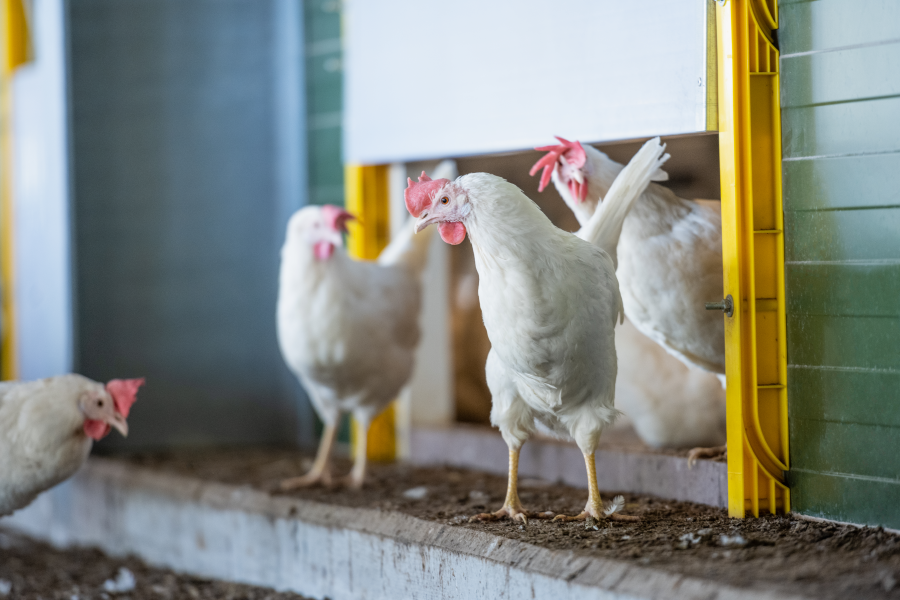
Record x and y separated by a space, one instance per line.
670 257
348 329
47 427
550 303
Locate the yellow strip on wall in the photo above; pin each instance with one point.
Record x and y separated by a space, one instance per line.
366 190
16 52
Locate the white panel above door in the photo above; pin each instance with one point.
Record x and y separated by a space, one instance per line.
427 79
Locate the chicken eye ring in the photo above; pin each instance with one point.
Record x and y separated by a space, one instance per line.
445 200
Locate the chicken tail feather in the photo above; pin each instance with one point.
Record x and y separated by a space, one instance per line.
605 226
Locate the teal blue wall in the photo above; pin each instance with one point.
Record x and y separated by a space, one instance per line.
188 157
840 77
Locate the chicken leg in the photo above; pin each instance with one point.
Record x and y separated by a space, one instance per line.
512 507
357 475
594 507
320 471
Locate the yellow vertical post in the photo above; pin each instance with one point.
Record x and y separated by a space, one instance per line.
753 256
366 189
15 49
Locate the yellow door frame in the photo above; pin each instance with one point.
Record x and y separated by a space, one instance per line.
367 196
16 49
753 256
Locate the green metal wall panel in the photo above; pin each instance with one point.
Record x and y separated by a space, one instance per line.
841 184
841 496
858 342
822 393
807 26
859 290
840 129
324 100
848 448
842 235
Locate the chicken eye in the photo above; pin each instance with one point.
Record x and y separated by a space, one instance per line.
99 402
445 200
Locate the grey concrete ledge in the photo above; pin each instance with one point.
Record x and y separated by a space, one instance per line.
325 551
621 470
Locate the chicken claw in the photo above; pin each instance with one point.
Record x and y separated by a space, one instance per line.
319 473
713 452
310 479
514 513
594 507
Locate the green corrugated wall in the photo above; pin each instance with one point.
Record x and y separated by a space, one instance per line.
324 100
840 77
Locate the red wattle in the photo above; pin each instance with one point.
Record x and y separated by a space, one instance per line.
95 429
452 233
323 250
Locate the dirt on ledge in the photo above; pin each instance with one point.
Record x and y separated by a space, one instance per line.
820 560
32 570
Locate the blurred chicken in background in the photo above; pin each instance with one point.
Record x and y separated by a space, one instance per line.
348 329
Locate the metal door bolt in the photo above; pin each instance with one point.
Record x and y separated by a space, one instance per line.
726 306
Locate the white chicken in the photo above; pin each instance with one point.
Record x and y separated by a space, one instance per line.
670 254
670 264
47 428
550 302
348 329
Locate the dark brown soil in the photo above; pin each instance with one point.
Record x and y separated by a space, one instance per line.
32 570
822 560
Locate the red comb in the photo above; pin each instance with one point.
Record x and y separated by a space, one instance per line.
124 393
336 217
418 196
574 154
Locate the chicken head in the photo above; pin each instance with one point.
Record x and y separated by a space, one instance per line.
108 407
569 158
322 227
438 201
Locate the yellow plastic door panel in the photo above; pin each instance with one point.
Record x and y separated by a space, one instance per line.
753 256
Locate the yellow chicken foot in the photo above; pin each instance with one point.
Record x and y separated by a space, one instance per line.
512 507
594 507
714 452
319 473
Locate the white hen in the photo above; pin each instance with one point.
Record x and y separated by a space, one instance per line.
348 329
670 254
550 302
47 428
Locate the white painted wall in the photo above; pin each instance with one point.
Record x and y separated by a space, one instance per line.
40 177
431 79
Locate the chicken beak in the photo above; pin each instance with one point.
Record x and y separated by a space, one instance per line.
573 172
119 423
425 221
